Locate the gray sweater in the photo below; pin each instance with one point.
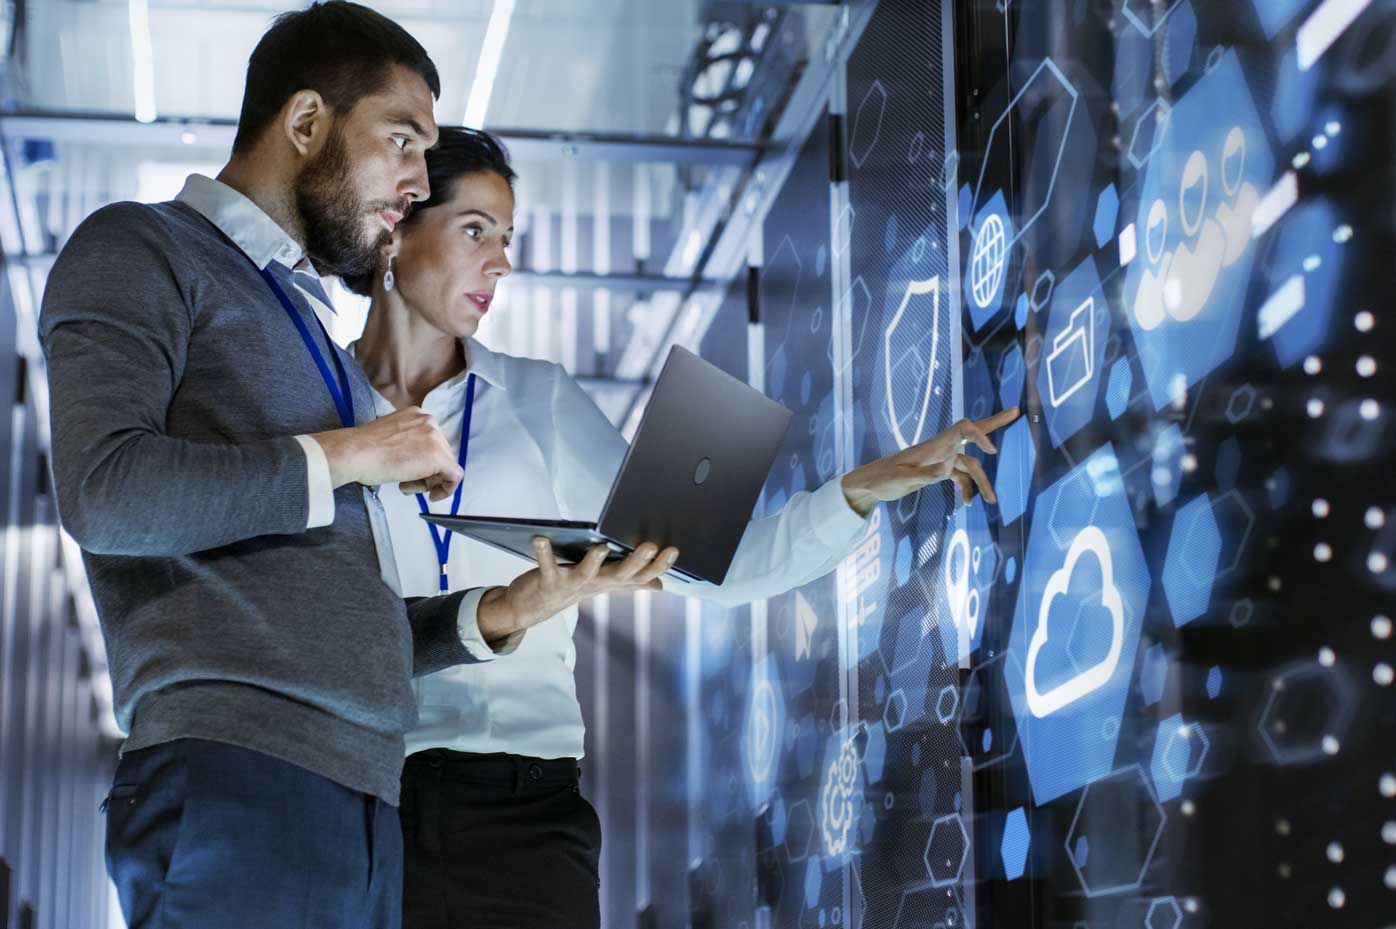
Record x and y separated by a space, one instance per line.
177 386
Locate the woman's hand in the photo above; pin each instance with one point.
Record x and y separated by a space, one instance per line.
551 588
936 459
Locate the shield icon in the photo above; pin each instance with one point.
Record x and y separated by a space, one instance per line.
909 349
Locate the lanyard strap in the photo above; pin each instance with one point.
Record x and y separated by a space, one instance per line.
340 389
443 542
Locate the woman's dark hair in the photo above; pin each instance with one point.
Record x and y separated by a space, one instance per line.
342 50
458 153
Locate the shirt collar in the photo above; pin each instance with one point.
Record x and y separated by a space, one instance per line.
243 221
485 364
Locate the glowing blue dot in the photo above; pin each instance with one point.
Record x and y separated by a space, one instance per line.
988 739
1010 570
1214 682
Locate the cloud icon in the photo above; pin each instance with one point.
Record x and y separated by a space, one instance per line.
1090 539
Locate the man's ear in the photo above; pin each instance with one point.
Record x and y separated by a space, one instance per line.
305 121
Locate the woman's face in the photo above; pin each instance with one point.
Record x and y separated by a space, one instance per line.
450 257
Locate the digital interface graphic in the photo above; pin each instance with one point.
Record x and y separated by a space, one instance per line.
1151 685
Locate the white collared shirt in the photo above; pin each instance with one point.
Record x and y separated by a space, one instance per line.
539 447
263 241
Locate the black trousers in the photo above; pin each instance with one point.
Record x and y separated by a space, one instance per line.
497 842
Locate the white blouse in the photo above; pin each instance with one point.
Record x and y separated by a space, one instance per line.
540 447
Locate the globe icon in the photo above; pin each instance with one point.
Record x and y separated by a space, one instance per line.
987 260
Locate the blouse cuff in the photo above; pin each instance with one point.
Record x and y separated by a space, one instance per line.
468 626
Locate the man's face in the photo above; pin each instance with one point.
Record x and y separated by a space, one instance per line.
366 175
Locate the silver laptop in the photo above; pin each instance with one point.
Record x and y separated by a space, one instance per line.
690 479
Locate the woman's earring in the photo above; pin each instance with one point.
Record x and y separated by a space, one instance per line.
388 279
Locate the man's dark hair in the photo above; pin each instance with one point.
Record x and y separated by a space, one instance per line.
458 153
342 50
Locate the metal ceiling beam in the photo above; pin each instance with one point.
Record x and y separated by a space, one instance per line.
531 144
620 283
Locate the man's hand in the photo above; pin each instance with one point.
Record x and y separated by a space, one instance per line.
405 446
551 588
936 459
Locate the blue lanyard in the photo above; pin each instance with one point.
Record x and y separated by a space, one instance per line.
443 543
339 390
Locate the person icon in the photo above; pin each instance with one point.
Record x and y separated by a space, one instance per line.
1149 311
1197 261
1235 216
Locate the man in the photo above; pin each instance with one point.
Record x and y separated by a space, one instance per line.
215 457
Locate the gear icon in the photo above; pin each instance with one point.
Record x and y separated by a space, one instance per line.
836 799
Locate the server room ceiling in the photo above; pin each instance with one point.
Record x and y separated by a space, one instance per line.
629 115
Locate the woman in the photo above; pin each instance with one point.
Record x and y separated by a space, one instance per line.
495 830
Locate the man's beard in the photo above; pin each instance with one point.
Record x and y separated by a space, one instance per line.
332 214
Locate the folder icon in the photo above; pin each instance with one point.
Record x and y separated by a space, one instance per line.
1072 359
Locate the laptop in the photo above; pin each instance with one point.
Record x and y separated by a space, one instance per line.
690 479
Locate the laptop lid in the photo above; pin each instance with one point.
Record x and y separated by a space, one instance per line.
695 470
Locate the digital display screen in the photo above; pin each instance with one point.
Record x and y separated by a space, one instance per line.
1152 684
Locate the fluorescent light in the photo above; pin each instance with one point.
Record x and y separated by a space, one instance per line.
488 65
1276 203
1323 28
1282 306
142 61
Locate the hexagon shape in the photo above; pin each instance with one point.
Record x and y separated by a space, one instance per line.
1107 210
946 850
1180 750
814 882
1020 311
867 124
1075 507
1164 913
1014 847
1181 296
1072 367
1190 567
894 710
1239 406
947 702
1182 38
984 743
1241 612
1017 458
927 907
800 830
1142 16
1232 512
1106 858
1086 550
761 732
1307 703
1042 289
1012 372
779 282
1118 387
988 259
1154 674
875 753
1148 133
1045 81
